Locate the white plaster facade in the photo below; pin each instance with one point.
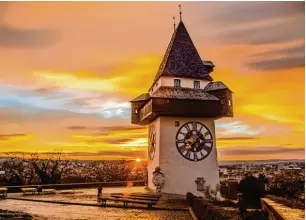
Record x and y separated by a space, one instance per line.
180 173
185 83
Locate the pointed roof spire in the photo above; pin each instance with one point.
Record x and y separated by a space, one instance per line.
180 12
174 23
182 58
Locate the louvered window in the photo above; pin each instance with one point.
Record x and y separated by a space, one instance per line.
177 83
196 84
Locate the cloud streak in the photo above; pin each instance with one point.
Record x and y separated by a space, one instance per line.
278 64
246 151
12 37
14 137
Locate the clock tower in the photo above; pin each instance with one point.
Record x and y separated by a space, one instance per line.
180 110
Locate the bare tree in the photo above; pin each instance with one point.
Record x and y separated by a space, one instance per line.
50 167
207 191
214 192
18 170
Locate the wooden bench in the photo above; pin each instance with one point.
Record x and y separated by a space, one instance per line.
69 191
126 201
3 192
147 195
138 195
27 191
135 197
48 191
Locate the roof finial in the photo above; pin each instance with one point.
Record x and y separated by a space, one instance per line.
174 22
180 12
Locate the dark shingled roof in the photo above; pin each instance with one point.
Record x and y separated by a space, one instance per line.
182 58
215 86
182 93
142 97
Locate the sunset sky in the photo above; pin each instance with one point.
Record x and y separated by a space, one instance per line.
69 69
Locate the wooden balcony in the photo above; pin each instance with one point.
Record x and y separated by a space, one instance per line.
180 108
146 110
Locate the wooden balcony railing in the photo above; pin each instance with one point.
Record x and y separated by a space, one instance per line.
146 110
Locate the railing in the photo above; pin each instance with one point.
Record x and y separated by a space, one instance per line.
77 185
146 109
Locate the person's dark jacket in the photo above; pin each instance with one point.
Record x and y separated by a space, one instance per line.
252 189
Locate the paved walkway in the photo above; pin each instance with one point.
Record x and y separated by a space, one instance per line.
48 211
89 197
91 209
285 211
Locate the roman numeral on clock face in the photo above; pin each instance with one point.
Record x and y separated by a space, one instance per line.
194 126
206 148
195 156
180 141
187 127
181 148
187 154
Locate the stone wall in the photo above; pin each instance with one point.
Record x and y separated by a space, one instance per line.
277 211
203 210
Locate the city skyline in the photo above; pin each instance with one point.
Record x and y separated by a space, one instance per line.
69 69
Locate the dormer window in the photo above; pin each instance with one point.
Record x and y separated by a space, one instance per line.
196 84
177 83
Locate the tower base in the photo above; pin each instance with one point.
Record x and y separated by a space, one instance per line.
181 174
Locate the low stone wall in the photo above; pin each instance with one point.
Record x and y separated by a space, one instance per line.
203 210
6 214
273 214
12 189
277 211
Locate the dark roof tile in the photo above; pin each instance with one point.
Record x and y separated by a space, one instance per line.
142 97
215 86
182 93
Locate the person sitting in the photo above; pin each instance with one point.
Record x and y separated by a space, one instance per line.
39 189
252 190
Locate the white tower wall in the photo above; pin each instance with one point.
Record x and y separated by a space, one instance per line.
180 173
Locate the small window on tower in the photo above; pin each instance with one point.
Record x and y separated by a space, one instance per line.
196 84
177 83
229 102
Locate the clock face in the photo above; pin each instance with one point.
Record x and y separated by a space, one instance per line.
194 141
152 142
